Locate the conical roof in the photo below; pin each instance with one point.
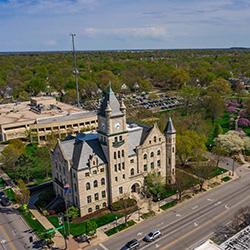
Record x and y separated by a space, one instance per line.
170 127
111 101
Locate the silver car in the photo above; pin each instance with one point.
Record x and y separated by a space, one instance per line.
152 236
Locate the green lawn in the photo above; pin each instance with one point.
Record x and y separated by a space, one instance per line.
148 215
169 205
10 194
80 228
120 228
33 223
217 171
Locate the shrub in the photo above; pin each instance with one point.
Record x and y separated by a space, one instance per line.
119 205
244 122
120 228
169 205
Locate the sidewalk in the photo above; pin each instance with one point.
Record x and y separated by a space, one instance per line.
58 239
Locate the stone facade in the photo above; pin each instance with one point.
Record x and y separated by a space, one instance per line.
103 166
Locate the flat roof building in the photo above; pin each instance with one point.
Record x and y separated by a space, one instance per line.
41 117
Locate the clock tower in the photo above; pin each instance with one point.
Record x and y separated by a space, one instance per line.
113 137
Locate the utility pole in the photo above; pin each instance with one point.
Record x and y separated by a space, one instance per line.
75 70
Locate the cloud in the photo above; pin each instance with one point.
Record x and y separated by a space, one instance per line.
149 32
47 6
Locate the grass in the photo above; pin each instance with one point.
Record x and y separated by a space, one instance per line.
80 228
120 228
148 215
10 194
168 205
226 178
217 171
33 223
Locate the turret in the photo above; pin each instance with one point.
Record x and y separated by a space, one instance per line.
170 135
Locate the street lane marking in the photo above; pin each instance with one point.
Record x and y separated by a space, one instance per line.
205 224
195 224
157 245
208 199
226 206
217 203
178 215
139 234
103 247
6 236
194 230
194 207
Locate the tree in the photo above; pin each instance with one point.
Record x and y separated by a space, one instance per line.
179 77
190 95
203 172
231 142
12 152
220 86
189 144
154 184
73 212
181 183
214 104
219 151
91 227
23 196
43 154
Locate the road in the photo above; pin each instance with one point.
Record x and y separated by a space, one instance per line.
191 221
14 233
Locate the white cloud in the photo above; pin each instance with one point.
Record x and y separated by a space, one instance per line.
150 32
48 6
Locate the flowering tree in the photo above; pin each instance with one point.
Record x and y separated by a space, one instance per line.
232 109
244 122
231 142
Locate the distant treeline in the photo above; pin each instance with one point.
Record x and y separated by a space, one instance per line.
30 73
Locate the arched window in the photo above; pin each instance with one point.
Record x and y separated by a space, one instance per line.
122 153
97 207
103 181
95 183
158 152
114 155
145 156
87 186
104 204
132 171
155 139
152 154
119 154
90 210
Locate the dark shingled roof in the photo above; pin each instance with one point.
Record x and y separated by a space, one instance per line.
110 98
79 149
170 127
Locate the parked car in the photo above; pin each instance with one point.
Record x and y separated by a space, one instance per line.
82 238
131 245
2 194
152 236
39 244
5 201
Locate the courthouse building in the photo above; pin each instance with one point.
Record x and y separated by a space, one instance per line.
102 166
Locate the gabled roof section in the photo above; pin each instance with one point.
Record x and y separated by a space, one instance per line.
110 101
136 136
170 127
79 150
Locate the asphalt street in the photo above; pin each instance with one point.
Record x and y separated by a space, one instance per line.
190 222
14 233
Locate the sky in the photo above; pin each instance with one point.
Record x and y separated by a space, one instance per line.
42 25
